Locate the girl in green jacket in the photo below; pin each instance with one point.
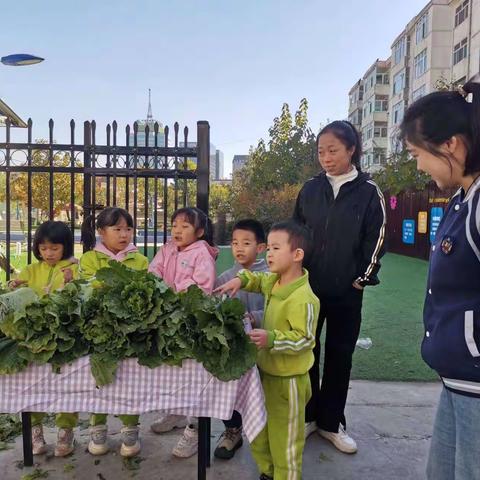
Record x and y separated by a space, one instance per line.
115 228
53 248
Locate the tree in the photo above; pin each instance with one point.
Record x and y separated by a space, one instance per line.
266 187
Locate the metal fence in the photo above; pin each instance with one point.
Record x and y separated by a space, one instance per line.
145 175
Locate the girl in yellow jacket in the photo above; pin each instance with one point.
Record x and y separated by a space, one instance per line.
53 248
115 228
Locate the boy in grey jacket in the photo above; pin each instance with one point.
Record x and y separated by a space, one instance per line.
248 241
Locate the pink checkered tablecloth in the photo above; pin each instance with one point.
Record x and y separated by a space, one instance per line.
189 390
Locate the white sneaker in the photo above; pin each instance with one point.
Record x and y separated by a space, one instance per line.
342 441
168 422
39 447
98 440
310 427
130 442
188 444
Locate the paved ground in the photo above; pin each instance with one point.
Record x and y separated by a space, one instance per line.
391 422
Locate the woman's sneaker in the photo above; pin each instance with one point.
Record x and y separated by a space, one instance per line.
130 442
65 442
187 446
168 422
310 427
342 441
98 440
230 441
39 445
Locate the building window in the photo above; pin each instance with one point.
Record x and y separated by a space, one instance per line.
460 51
461 13
397 113
419 92
399 51
421 29
383 79
380 132
420 63
398 82
381 105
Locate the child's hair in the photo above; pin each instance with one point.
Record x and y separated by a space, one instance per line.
299 236
53 232
199 220
251 225
435 118
346 133
108 217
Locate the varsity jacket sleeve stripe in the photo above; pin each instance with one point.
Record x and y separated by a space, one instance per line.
373 243
300 338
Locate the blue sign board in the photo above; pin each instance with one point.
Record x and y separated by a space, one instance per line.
408 232
436 215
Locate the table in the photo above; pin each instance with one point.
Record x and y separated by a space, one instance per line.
189 390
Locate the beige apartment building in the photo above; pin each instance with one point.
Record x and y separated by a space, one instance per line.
441 42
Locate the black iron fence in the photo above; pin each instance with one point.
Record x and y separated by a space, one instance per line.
151 174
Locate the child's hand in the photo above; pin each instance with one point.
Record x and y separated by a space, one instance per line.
259 337
67 275
16 283
231 287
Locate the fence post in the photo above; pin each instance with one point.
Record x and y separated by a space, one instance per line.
203 164
88 208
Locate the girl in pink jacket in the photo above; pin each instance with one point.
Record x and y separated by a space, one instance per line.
187 259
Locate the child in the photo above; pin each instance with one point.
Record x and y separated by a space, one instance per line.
248 241
115 227
285 347
188 259
53 248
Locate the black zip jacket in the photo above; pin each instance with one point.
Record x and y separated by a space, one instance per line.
348 233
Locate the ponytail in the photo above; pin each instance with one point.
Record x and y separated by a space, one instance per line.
87 235
472 89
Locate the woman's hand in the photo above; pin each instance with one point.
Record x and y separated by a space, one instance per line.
259 337
357 285
230 288
16 283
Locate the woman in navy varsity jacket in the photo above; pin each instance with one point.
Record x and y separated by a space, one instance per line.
442 132
345 210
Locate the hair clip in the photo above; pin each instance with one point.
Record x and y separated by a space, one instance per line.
459 89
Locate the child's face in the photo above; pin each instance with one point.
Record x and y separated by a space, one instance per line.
51 253
117 237
280 256
183 232
245 247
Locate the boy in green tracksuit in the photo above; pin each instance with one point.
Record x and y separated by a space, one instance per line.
285 348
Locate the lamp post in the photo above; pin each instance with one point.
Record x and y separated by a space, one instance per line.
20 59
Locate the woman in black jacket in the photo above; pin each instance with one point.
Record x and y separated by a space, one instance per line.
345 210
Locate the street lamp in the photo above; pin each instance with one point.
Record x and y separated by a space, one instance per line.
20 59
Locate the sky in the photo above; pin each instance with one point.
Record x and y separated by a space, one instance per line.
231 62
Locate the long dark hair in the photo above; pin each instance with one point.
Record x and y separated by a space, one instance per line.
199 220
346 133
53 232
108 217
435 118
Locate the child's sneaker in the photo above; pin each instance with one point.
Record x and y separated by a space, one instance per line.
168 422
310 427
130 442
230 441
188 444
65 442
265 477
98 440
39 445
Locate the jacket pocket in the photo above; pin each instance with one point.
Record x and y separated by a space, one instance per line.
469 330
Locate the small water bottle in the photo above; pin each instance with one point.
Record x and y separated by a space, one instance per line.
247 324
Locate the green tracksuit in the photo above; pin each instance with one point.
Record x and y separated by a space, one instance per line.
290 318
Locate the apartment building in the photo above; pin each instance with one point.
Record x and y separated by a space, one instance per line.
355 105
376 88
441 42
